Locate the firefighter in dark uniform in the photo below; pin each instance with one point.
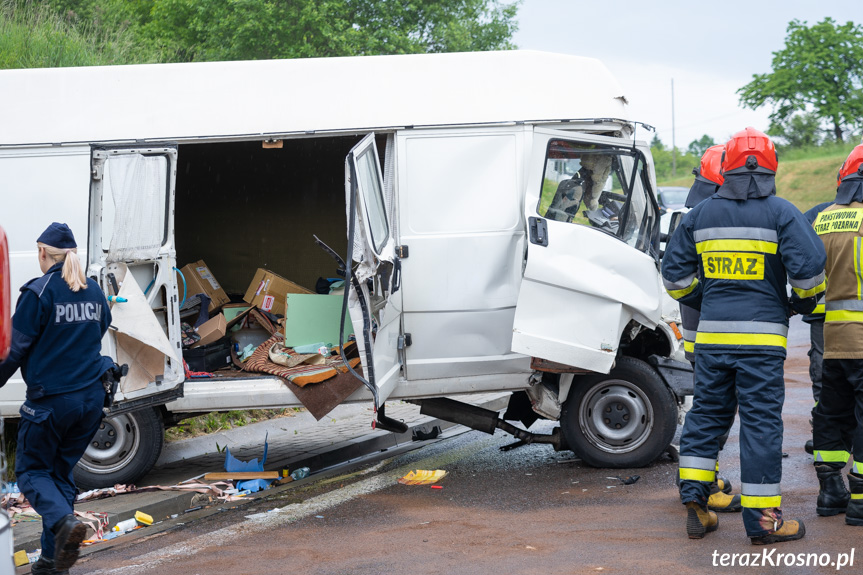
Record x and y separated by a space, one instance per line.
838 416
57 331
746 244
707 180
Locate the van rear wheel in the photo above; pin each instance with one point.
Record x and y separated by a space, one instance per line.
626 418
123 450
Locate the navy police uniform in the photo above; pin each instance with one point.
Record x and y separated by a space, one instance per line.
743 242
56 341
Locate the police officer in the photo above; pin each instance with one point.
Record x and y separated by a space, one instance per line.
745 242
838 416
707 180
57 331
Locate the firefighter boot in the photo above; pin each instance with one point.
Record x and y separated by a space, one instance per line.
724 485
833 497
778 530
854 513
699 521
723 502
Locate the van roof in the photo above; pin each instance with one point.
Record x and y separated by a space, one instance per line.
269 97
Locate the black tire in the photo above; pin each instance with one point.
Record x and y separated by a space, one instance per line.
124 449
640 416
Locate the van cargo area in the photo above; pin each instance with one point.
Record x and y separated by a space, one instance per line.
241 206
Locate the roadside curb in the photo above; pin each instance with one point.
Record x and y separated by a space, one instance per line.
163 504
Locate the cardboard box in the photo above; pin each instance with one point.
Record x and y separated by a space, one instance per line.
314 318
268 291
199 279
212 330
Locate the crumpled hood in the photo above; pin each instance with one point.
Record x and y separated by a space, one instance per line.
701 189
850 190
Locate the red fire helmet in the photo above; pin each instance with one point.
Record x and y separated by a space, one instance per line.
749 151
711 164
852 166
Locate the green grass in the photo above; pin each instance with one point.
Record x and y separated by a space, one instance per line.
222 421
33 36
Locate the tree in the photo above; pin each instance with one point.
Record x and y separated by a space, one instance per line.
206 30
818 72
656 143
801 130
699 146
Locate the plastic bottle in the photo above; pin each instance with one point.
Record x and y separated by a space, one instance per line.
300 473
124 526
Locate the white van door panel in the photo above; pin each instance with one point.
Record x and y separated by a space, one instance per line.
377 319
132 239
591 262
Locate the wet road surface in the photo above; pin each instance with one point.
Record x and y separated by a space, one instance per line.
529 510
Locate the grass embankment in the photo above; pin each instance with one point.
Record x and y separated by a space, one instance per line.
806 177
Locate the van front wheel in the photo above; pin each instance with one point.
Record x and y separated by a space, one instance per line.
123 450
626 418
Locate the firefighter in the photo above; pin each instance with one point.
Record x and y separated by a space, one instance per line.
838 416
57 332
746 244
707 180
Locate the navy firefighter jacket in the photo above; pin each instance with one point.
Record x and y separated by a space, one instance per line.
731 258
57 336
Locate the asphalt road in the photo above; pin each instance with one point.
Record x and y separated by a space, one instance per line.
529 510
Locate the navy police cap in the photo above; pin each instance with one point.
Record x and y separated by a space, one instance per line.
58 235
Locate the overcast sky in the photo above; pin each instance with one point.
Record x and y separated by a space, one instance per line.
709 49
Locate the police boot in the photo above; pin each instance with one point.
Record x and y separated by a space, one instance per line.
699 521
789 530
833 497
68 535
854 513
45 566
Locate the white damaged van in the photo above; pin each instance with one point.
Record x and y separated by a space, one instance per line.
506 235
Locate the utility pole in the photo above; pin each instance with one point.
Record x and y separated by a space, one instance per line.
673 144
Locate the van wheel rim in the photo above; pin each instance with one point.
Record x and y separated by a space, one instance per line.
616 416
113 446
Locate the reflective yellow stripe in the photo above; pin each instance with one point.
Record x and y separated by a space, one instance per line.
760 502
814 291
819 308
736 246
679 293
843 315
857 496
831 456
740 339
857 267
687 473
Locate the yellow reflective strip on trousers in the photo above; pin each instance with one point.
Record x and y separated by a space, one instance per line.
760 502
819 308
736 246
842 315
857 496
814 291
767 339
688 346
831 456
679 293
688 473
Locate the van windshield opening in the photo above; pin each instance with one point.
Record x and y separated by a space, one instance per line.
602 187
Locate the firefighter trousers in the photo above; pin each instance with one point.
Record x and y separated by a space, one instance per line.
752 383
838 417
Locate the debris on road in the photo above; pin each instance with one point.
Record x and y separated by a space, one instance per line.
422 477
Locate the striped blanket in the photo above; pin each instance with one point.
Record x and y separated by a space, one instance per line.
302 374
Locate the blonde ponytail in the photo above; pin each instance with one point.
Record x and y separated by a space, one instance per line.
73 275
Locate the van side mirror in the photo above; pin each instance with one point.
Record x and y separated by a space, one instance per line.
673 223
